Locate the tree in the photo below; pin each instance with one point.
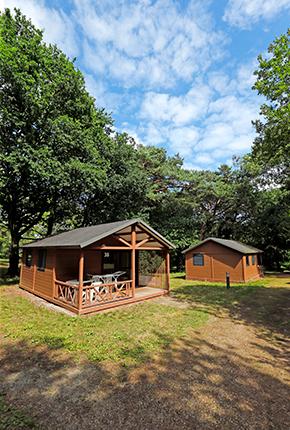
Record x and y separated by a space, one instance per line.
122 194
272 146
48 123
269 161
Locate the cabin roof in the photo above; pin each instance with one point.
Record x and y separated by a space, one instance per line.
232 244
85 236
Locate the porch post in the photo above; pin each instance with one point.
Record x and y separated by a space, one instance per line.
167 265
81 279
133 259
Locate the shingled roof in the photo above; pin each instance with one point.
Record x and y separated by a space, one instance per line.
232 244
85 236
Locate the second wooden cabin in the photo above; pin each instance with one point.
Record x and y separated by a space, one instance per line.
212 258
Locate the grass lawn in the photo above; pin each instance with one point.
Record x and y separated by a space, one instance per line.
214 295
126 336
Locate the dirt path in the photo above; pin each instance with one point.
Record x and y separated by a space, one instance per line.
223 376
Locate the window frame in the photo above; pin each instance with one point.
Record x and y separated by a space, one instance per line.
28 258
198 254
253 260
247 261
41 259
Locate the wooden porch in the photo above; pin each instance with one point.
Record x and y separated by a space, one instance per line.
107 296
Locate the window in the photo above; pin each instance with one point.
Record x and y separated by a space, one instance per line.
28 258
253 260
247 260
41 259
198 260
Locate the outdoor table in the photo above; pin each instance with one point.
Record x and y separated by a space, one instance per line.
110 277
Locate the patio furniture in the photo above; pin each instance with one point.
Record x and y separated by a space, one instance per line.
110 277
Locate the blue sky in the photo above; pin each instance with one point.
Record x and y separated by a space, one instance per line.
176 74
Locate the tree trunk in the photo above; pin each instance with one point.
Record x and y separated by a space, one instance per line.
180 262
13 269
50 224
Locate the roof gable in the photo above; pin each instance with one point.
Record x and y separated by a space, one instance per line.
232 244
85 236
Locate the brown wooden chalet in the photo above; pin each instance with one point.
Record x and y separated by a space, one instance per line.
213 258
98 267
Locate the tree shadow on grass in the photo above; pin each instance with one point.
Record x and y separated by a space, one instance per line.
5 279
192 384
8 281
265 308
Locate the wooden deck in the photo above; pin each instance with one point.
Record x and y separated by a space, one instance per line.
141 294
148 291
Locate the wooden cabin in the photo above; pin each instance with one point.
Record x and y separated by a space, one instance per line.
212 258
98 267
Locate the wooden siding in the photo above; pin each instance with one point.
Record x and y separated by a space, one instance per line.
252 271
217 261
44 278
38 281
93 262
67 264
27 273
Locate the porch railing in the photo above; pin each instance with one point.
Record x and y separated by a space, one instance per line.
67 293
93 295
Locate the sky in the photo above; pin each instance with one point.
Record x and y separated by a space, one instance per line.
175 74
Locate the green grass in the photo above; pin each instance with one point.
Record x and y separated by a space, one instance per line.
126 336
214 295
13 419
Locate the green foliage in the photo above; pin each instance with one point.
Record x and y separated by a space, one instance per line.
272 147
286 262
4 242
122 194
149 262
48 126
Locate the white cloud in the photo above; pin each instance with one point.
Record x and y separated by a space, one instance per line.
178 110
156 43
204 158
59 28
104 97
241 83
182 139
209 123
244 13
228 129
